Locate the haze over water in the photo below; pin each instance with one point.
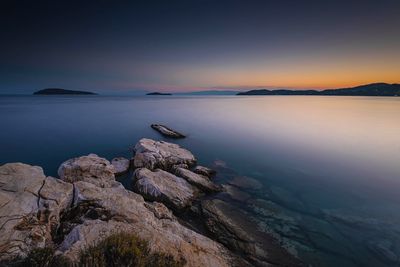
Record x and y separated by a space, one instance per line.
330 166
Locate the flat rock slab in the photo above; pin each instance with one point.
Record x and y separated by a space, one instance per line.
204 171
121 165
166 131
164 187
245 182
90 168
152 155
198 180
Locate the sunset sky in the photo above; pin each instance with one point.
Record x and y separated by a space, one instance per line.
192 45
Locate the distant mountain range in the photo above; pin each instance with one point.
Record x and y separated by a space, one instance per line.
158 93
59 91
373 89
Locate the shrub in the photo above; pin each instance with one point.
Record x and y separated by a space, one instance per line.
43 257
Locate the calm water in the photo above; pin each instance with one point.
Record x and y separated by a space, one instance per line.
330 166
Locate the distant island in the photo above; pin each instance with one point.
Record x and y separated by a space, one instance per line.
374 89
59 91
158 93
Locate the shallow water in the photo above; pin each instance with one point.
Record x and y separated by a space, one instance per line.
330 166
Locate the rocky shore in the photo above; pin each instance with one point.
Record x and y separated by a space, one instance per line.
175 205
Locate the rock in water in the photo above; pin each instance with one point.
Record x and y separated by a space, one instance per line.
30 206
164 187
204 171
159 154
90 168
121 165
168 132
197 180
245 182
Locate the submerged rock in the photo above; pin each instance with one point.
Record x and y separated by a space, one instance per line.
198 180
204 171
236 194
164 187
30 205
159 154
90 168
245 182
121 165
168 132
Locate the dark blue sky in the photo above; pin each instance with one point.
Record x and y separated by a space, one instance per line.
197 45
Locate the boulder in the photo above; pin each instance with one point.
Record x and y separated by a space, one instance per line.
120 210
164 187
152 154
121 165
204 171
30 205
90 168
166 131
198 180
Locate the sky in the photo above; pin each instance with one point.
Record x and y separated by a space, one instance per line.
125 47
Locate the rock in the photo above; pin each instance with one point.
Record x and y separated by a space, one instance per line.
120 210
90 168
245 182
234 228
30 205
204 171
159 154
168 132
121 165
236 194
164 187
197 180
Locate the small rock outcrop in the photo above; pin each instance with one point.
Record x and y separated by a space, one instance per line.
121 165
90 168
164 187
198 180
166 131
152 154
204 171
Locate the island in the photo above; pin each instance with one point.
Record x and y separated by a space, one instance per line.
373 89
158 93
59 91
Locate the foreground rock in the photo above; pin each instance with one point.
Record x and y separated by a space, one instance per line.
204 171
30 206
234 228
90 168
121 165
168 132
197 180
38 211
159 154
164 187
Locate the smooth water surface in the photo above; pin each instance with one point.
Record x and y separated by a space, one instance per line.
330 166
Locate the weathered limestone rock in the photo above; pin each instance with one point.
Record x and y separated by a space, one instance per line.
121 210
90 168
164 187
121 165
30 205
159 154
168 132
204 171
197 180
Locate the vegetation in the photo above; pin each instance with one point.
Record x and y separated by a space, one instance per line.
122 250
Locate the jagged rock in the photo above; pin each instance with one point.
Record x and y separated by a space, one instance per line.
166 131
159 154
245 182
164 187
90 168
234 228
30 205
121 165
197 180
121 210
204 171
